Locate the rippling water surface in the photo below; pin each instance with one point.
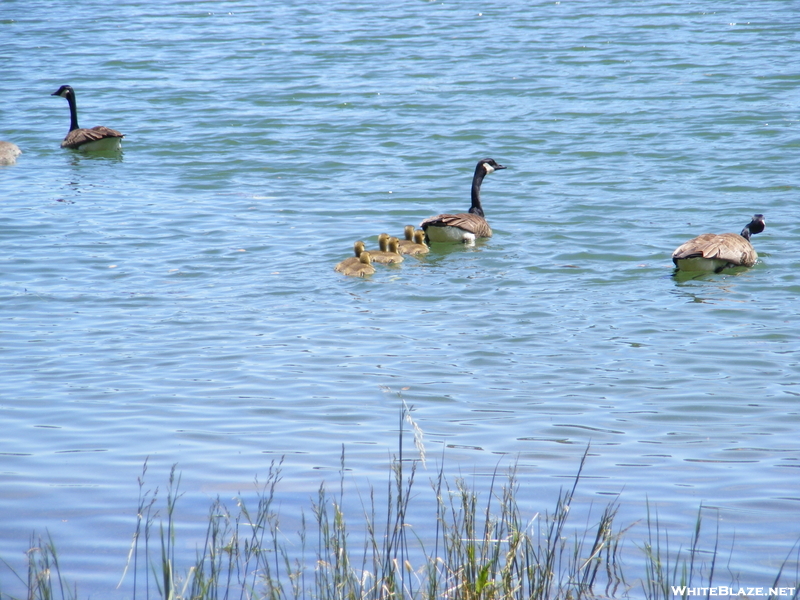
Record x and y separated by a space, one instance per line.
178 301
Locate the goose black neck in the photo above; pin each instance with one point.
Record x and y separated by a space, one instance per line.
73 111
477 180
753 227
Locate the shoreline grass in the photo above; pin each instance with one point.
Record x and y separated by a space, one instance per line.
472 549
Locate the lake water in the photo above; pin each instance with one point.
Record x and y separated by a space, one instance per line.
178 302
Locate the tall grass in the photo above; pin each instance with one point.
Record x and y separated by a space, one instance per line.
472 548
43 580
671 574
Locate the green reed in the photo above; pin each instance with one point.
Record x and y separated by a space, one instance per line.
43 580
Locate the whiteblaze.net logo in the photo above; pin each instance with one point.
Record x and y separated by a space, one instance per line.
732 592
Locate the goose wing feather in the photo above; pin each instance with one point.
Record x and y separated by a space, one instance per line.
79 137
729 247
467 221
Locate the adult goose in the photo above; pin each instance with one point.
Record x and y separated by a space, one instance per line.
463 227
98 138
358 248
9 153
362 268
715 252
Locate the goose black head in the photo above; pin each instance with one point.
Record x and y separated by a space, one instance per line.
64 91
489 165
756 225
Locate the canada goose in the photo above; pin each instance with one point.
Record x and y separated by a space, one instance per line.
417 246
95 139
9 153
388 254
361 268
463 227
408 233
358 248
715 252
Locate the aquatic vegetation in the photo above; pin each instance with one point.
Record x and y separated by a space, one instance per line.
478 549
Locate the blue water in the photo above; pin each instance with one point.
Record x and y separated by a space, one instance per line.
178 301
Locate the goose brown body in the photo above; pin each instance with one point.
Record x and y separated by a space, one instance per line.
715 252
468 226
473 226
95 138
79 138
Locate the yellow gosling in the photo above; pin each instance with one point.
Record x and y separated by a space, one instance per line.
362 268
388 254
358 248
418 246
408 235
